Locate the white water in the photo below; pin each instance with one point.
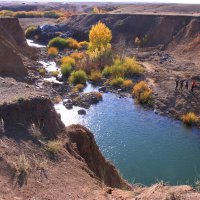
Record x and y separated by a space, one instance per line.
31 43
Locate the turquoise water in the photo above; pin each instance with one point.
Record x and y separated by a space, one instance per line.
145 147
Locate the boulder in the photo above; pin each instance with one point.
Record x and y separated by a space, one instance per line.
85 100
82 112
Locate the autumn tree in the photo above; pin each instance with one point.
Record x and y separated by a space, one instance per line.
99 37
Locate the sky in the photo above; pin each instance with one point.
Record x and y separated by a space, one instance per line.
140 1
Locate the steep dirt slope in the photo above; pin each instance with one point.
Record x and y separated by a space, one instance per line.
14 51
179 34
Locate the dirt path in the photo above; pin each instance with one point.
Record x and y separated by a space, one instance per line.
161 77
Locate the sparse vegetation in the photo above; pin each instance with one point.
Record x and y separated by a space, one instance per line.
52 51
143 93
22 165
42 71
53 147
55 73
29 31
197 185
58 42
190 118
78 77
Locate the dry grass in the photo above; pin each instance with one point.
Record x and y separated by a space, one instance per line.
53 147
78 88
23 165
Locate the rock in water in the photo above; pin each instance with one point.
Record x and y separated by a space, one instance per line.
82 112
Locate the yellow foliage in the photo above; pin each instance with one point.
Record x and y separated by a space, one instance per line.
84 44
72 43
99 36
190 118
52 51
127 84
68 60
77 55
143 93
95 76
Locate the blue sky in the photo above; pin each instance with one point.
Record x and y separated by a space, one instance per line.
156 1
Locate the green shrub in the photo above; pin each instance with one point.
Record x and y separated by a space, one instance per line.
66 69
29 31
78 77
117 82
58 42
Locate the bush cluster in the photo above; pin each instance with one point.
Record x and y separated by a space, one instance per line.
95 76
58 42
127 68
190 118
52 51
35 14
143 93
29 31
78 77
